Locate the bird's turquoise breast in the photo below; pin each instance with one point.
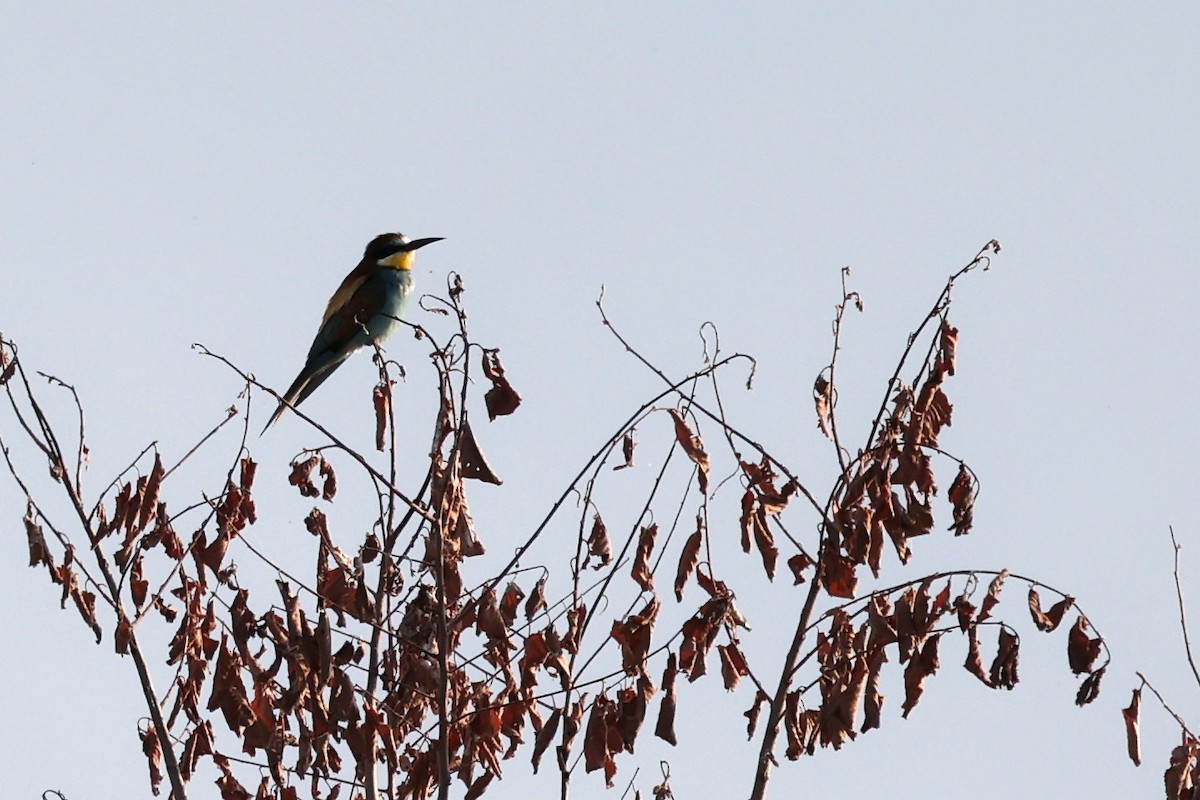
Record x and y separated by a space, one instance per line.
396 285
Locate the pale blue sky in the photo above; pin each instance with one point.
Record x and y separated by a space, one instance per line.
209 173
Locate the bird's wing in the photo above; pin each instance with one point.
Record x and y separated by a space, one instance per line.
342 331
350 285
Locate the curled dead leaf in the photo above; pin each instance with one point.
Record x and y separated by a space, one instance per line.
733 665
1004 667
598 544
993 595
962 500
301 476
693 446
381 401
974 662
537 599
1082 650
627 447
501 400
823 399
1133 735
642 570
797 564
688 558
1048 620
751 714
920 666
664 728
329 484
1089 690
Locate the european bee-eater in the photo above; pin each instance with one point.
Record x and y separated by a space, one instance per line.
363 311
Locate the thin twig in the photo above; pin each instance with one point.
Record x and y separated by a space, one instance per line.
1182 725
1187 645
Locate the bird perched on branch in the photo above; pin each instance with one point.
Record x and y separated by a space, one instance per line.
363 311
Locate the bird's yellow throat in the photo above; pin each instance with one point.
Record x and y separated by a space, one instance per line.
402 260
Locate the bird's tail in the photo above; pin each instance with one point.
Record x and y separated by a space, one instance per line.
278 413
305 384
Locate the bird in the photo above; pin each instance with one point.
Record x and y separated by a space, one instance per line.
364 310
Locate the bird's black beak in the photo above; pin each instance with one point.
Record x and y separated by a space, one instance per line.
418 243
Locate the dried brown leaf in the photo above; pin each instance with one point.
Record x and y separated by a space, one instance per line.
930 413
962 500
39 552
85 602
872 697
1082 650
575 618
751 714
881 621
301 476
473 463
797 564
693 446
708 584
381 401
138 585
733 665
909 631
153 752
948 346
765 542
489 620
230 788
1133 734
510 601
598 544
688 558
199 743
229 692
823 399
477 788
597 742
631 710
1048 620
544 737
965 610
837 574
664 728
747 519
1004 667
151 492
1089 690
1180 775
974 662
993 595
920 666
633 634
329 485
123 636
628 445
642 571
801 726
537 599
501 400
